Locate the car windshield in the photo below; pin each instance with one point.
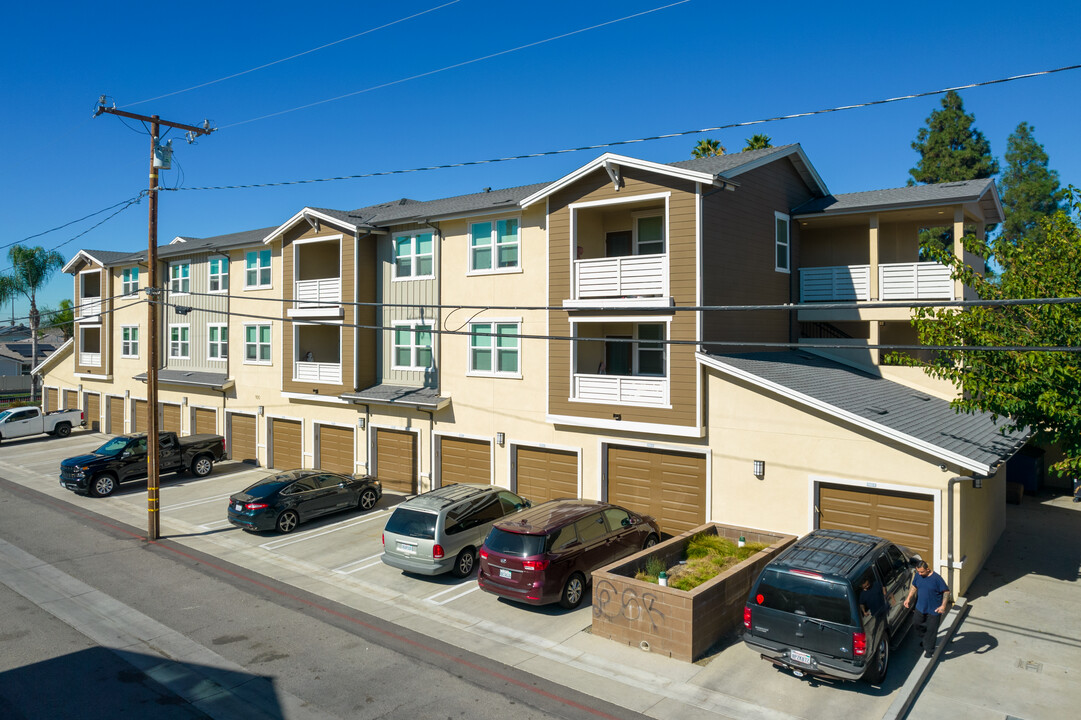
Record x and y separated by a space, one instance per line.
811 597
517 544
112 447
412 523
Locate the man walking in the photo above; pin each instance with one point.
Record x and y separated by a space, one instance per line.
931 594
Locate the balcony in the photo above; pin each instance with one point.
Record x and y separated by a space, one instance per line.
90 359
321 297
633 280
621 390
90 309
896 281
318 372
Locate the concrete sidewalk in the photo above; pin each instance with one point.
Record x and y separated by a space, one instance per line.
1017 653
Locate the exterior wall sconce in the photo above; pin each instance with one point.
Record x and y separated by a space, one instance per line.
127 394
360 423
80 387
184 400
759 468
500 438
260 410
977 483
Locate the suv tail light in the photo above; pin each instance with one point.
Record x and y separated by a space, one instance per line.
534 564
483 552
747 616
859 644
437 551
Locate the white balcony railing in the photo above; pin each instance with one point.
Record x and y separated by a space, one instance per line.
90 307
318 372
318 293
628 276
90 359
896 281
621 389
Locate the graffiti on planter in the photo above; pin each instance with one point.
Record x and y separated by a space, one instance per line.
629 604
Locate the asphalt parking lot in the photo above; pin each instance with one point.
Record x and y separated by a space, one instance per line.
338 557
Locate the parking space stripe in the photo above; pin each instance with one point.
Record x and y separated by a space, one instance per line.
214 525
453 597
452 588
202 501
341 570
275 544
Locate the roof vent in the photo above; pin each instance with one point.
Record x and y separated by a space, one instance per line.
877 410
925 398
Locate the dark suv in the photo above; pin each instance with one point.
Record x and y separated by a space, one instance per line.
830 604
546 554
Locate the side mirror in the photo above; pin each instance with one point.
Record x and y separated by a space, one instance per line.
125 455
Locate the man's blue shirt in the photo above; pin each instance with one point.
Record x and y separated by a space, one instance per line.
929 592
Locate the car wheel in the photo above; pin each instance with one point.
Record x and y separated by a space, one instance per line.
881 663
463 564
201 466
103 485
367 499
63 430
573 591
650 541
287 522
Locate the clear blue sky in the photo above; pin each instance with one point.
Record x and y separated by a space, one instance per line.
693 65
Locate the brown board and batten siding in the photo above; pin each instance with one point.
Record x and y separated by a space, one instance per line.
104 324
681 247
739 255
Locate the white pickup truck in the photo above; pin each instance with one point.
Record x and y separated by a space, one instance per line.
22 421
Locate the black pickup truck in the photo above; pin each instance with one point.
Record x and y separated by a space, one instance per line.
123 458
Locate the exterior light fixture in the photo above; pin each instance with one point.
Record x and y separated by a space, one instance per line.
759 468
360 423
260 411
500 438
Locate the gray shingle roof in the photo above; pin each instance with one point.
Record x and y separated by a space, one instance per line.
217 242
22 350
721 164
427 398
877 401
108 257
188 377
915 195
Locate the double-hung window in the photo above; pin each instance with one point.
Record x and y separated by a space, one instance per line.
180 278
412 346
257 344
414 256
494 348
179 342
649 234
219 275
649 350
781 225
129 341
218 341
130 281
257 269
493 245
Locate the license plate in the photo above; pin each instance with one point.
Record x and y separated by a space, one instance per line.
407 548
504 573
239 507
800 657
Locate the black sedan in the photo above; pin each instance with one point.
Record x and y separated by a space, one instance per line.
287 499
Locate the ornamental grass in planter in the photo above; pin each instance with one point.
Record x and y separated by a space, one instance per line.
706 556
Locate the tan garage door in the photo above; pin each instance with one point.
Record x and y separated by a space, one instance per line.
205 421
464 461
669 486
71 399
285 444
242 438
544 475
170 418
336 449
51 399
905 518
138 418
115 406
93 411
396 460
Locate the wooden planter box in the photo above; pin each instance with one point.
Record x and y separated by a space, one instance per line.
678 623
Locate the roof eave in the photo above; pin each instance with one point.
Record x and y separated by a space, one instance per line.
54 357
303 216
802 162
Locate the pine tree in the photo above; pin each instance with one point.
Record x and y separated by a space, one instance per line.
950 148
1030 191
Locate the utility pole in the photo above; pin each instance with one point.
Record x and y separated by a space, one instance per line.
153 454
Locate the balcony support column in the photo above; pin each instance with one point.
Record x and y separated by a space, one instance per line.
872 254
958 246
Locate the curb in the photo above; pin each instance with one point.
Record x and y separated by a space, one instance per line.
925 666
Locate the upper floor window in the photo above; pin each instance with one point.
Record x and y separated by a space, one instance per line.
219 275
218 341
493 348
414 256
179 342
493 245
648 234
129 281
781 231
257 269
649 350
129 341
412 347
257 344
180 278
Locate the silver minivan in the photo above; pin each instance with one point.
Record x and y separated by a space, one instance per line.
441 530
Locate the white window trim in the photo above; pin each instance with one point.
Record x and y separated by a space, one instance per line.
469 348
413 264
270 344
125 290
412 324
257 269
122 341
787 242
636 348
210 275
223 337
493 246
642 214
172 291
180 342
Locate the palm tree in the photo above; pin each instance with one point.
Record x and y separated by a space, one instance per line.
708 148
31 269
758 141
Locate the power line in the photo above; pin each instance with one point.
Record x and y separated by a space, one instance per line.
616 143
291 57
61 227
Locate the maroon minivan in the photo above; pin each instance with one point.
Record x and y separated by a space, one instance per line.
547 553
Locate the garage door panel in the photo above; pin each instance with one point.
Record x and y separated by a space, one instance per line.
464 461
52 401
93 411
336 449
286 444
543 474
170 418
395 460
71 400
669 486
138 418
115 406
205 421
905 518
242 445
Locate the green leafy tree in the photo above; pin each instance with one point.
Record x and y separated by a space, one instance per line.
708 148
1030 190
758 141
60 318
31 268
950 147
1027 388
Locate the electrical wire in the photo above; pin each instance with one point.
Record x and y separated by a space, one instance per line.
61 227
292 57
